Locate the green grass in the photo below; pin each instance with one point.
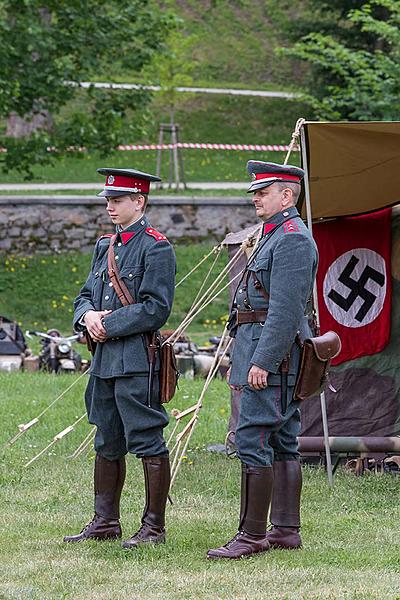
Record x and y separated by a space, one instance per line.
38 291
351 542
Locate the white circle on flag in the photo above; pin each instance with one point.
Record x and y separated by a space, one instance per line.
354 287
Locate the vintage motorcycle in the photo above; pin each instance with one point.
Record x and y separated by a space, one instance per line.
57 354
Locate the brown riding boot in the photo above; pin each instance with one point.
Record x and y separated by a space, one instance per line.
157 478
109 477
285 508
256 491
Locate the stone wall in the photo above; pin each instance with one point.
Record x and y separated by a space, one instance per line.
44 224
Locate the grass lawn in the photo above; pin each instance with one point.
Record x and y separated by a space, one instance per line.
350 533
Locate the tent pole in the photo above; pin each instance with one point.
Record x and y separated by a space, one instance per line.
315 298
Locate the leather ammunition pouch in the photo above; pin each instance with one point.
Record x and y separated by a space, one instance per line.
315 361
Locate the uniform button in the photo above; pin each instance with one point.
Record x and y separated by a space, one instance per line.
119 244
142 222
117 257
110 284
96 273
240 291
106 297
130 275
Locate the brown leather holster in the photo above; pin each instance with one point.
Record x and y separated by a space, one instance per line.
316 353
315 361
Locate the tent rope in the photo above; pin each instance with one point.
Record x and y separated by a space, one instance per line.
56 439
82 447
295 138
24 427
190 426
215 249
217 255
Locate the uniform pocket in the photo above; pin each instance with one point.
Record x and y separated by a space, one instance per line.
132 277
261 264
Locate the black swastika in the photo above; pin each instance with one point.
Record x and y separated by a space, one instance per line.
357 288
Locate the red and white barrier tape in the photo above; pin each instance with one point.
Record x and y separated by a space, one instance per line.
198 146
190 146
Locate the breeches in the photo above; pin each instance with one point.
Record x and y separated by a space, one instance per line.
125 423
264 433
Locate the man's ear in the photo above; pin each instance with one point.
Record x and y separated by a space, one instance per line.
286 197
140 199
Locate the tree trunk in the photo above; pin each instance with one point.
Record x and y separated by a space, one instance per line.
18 127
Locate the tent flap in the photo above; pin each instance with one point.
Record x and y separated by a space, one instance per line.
353 167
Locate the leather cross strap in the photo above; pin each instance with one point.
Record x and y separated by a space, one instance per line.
124 295
126 298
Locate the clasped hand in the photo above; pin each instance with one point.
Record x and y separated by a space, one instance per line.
94 325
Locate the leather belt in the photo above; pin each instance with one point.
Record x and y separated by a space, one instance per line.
251 316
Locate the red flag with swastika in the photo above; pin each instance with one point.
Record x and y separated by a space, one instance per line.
354 282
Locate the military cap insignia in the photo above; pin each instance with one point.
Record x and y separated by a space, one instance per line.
126 181
264 174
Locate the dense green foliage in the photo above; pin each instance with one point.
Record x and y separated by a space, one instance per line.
44 44
353 51
351 542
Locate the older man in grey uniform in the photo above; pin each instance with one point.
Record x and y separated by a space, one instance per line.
122 398
267 319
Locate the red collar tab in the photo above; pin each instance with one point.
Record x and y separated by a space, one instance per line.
130 185
155 234
126 236
268 227
284 176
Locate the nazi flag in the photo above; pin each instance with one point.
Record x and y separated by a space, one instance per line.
354 282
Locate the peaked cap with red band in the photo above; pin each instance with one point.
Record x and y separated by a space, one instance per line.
264 174
126 181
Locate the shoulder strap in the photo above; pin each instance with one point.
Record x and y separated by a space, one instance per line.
121 290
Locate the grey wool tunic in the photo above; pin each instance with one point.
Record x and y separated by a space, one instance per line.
147 265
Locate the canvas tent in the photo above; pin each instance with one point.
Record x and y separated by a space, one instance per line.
353 167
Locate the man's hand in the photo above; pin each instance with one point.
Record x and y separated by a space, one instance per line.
233 387
257 378
94 326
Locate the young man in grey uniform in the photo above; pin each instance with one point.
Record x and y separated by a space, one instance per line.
268 317
122 399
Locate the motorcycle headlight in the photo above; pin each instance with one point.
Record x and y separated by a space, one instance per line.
64 348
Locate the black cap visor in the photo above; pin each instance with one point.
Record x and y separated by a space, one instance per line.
114 193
